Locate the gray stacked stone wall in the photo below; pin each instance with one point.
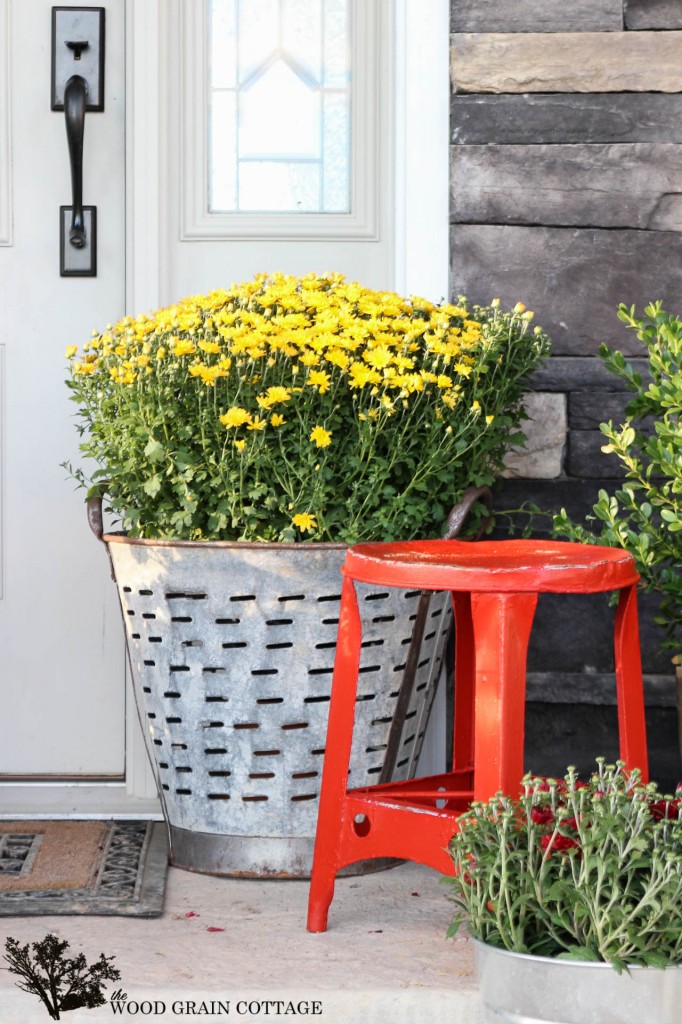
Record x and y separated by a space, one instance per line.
566 194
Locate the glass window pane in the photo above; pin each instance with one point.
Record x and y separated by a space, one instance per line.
336 43
336 154
280 113
258 29
279 116
279 187
222 183
223 44
302 34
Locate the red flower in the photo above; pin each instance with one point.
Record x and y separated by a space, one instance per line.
569 823
555 841
664 809
542 815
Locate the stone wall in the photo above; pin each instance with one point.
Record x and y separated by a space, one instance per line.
566 194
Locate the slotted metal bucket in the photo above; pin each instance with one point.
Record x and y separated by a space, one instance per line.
232 651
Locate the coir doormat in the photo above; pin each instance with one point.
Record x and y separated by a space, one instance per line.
82 867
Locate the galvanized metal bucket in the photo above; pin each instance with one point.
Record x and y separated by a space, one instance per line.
232 653
520 989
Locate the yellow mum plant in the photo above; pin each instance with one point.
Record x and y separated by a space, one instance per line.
299 408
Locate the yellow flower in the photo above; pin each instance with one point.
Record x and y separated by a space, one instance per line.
444 381
320 380
337 357
519 307
476 406
489 419
257 424
321 437
272 396
277 420
361 375
210 346
183 347
235 417
304 521
240 445
71 351
378 357
161 353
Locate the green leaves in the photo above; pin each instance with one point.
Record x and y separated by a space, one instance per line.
152 486
154 451
645 515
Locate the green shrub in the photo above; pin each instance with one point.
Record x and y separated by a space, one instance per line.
644 515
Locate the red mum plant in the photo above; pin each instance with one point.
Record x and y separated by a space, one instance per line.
574 869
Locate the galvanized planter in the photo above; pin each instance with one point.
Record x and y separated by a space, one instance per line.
232 651
520 989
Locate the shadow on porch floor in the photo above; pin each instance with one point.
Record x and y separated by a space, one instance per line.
384 959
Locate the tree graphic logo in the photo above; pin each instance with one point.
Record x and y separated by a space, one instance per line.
60 982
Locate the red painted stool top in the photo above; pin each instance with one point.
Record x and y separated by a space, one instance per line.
491 565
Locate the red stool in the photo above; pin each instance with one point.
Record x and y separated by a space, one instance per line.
494 587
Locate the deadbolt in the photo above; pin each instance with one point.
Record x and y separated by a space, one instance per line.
78 49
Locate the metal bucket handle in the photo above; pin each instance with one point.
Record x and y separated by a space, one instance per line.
96 524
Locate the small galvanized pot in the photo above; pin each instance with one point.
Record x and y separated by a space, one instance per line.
517 988
232 652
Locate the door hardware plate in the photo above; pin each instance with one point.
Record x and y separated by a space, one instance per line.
72 27
78 262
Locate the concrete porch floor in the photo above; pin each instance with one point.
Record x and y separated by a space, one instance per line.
383 960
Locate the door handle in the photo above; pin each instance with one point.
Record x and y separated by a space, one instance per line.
77 87
75 100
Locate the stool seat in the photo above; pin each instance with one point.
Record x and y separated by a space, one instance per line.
489 565
494 587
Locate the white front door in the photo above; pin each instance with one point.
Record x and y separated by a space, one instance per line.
69 740
62 657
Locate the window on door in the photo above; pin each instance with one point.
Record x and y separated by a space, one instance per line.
280 119
279 102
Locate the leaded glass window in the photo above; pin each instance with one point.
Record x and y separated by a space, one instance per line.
280 106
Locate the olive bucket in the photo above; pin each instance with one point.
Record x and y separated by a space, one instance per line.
232 651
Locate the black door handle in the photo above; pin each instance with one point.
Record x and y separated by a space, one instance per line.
75 98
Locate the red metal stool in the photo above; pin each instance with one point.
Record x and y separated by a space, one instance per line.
494 585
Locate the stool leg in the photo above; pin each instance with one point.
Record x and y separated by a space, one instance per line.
336 759
629 686
502 625
465 673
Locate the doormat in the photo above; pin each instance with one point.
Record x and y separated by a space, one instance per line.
82 867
